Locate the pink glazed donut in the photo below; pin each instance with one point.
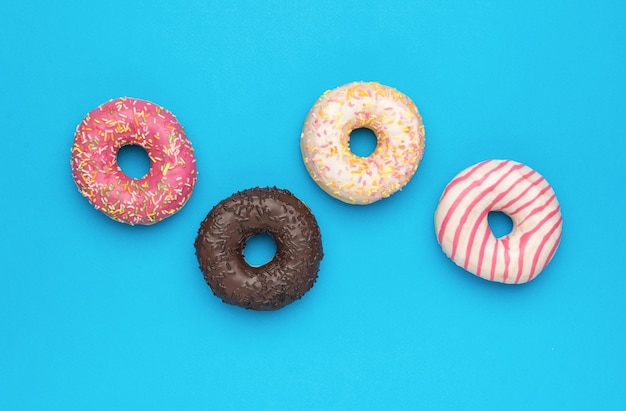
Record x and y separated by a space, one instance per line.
126 121
518 191
325 138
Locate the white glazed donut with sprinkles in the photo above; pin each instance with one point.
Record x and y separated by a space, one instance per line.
516 190
127 121
324 142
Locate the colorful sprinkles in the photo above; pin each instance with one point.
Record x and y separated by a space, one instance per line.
125 121
324 142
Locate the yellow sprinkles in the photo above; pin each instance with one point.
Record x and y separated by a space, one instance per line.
324 142
172 175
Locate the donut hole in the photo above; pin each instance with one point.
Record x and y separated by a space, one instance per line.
500 223
259 249
133 161
362 142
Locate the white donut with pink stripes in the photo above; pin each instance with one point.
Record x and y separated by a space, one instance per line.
518 191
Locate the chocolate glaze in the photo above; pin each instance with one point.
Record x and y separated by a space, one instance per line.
287 276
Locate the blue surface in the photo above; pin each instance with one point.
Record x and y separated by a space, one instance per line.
98 315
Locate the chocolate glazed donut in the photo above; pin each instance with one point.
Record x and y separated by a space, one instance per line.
287 276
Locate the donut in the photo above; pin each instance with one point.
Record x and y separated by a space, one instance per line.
222 238
519 192
127 121
325 138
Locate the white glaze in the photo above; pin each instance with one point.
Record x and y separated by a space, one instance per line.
518 191
324 142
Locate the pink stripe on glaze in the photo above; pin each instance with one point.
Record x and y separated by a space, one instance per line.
523 193
481 254
507 258
466 190
528 237
557 240
546 238
494 262
539 209
484 214
493 186
532 200
475 201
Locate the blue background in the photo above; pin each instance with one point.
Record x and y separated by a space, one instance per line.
98 315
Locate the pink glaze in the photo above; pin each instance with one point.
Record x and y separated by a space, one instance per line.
518 191
124 121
